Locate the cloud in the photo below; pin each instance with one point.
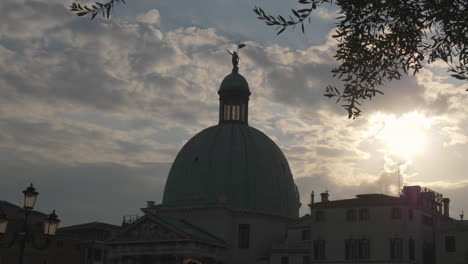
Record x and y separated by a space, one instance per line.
108 104
325 13
150 17
454 135
28 20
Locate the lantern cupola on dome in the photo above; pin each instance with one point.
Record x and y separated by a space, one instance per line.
234 96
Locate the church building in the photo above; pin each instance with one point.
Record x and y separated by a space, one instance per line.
229 195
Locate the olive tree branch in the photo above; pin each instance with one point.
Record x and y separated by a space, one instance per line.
95 9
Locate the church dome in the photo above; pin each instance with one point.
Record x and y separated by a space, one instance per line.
235 164
234 83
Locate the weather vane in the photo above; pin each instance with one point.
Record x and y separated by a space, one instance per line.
235 57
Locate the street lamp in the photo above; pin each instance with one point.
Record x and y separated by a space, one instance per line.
30 196
50 225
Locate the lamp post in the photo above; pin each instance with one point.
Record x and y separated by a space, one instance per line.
50 225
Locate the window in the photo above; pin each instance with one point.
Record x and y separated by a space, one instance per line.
450 244
427 220
235 112
396 248
306 234
319 249
412 249
284 259
305 260
396 213
351 249
410 214
320 216
243 236
88 252
227 109
364 248
243 112
350 215
364 214
357 249
97 254
59 243
105 257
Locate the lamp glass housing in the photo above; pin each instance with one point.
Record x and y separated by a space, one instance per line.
3 224
51 224
30 196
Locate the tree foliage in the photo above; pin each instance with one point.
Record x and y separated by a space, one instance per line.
94 10
380 40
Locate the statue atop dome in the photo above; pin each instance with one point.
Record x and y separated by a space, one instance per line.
235 61
235 57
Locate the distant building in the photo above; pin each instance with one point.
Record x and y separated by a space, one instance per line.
82 244
371 228
79 244
452 238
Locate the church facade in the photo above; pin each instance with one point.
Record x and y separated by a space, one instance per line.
229 195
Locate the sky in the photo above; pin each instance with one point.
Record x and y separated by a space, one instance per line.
93 113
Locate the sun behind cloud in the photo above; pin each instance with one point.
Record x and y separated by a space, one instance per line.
403 136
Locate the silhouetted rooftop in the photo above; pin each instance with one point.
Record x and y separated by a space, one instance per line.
92 225
362 200
8 207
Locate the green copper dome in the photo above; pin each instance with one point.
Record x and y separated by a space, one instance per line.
235 164
234 83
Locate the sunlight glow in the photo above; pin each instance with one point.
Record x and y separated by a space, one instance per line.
403 136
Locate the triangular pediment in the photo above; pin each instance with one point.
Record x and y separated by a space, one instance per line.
148 229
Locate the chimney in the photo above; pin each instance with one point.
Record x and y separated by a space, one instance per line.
324 196
312 201
446 202
149 204
411 194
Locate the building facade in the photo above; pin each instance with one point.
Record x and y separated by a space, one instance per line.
371 228
452 238
82 244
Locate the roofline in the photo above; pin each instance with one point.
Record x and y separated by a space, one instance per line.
362 200
188 237
165 241
163 207
6 203
72 227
